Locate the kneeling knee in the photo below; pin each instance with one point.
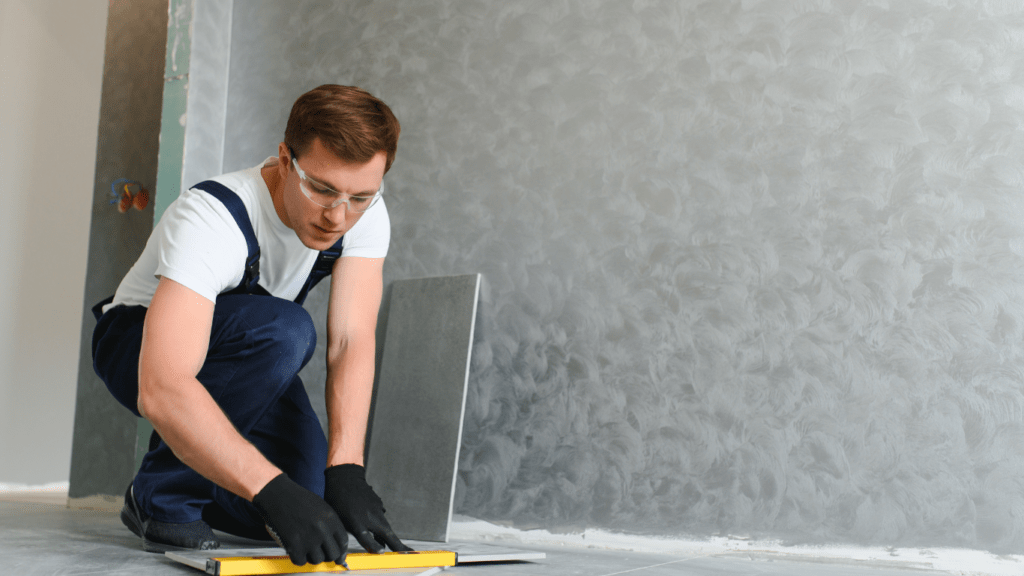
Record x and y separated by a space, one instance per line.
293 334
272 328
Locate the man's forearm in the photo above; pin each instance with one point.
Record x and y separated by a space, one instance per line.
202 437
349 390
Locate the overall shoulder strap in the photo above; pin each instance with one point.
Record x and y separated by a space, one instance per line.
241 215
321 269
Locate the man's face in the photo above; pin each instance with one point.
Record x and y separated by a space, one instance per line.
316 226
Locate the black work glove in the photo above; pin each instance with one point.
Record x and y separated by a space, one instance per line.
360 508
301 522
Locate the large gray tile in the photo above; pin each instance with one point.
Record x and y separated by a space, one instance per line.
419 402
103 446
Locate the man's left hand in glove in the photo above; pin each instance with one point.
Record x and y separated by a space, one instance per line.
360 509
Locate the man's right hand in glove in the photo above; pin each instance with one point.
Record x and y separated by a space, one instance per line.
301 522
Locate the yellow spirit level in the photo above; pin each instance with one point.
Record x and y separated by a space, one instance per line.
258 565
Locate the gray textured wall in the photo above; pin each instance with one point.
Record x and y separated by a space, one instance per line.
750 267
103 447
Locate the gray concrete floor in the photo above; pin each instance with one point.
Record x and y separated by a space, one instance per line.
50 539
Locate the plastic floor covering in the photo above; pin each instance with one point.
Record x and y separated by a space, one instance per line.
51 539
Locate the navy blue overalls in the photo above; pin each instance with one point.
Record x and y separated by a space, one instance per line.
258 344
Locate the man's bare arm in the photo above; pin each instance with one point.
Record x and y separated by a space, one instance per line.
356 287
175 338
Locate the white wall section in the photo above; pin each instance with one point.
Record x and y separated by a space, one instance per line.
51 64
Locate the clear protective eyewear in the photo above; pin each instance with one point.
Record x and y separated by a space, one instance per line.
325 197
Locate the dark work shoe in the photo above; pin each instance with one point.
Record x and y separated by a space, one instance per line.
160 536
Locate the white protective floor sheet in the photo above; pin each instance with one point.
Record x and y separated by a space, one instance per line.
46 538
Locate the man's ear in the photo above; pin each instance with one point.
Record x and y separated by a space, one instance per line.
283 160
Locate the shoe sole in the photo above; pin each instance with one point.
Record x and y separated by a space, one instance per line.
131 519
131 522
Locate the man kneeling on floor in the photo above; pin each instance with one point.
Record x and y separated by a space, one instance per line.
206 335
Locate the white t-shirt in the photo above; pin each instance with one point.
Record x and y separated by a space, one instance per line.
197 243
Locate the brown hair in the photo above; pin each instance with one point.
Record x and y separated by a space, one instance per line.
349 121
